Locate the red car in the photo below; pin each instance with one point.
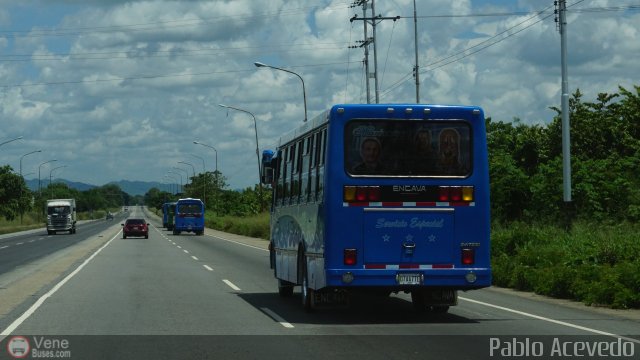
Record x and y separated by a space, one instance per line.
135 227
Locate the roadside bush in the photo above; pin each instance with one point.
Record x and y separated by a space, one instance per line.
595 264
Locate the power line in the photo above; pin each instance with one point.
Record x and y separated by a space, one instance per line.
481 46
153 26
155 76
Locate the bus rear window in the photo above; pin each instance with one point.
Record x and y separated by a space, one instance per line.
408 148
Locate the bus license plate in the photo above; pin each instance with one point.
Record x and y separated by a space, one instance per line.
409 279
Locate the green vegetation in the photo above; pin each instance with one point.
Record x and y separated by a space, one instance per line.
595 264
256 226
597 261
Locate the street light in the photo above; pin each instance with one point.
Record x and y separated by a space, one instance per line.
8 141
179 174
204 180
210 147
170 177
304 93
255 125
39 183
33 152
51 171
215 174
192 167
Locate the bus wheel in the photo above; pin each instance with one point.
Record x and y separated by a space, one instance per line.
285 288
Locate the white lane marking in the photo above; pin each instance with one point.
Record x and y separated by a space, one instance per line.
563 323
231 285
31 241
277 318
239 243
6 332
3 247
185 251
20 243
208 267
179 247
194 258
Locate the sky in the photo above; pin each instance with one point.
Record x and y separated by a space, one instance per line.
120 90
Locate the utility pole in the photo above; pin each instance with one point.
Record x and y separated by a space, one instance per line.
367 40
566 143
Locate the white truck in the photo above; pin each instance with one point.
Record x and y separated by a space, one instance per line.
61 215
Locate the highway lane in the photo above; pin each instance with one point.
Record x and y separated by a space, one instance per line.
25 247
206 285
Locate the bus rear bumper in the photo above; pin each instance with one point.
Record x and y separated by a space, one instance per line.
407 279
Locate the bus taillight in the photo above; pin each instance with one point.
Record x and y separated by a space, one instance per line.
374 193
350 256
468 256
361 193
467 193
443 193
455 193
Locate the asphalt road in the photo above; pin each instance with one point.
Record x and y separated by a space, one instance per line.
218 294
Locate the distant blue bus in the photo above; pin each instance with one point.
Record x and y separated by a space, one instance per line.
168 211
189 216
381 199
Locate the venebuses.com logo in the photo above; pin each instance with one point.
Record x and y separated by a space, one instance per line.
38 347
18 347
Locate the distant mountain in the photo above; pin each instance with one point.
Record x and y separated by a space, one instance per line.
130 187
33 184
138 187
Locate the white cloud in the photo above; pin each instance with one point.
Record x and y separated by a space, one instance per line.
172 62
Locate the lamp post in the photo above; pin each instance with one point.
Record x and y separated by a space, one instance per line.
190 164
179 174
210 147
51 171
169 177
304 92
39 182
215 173
8 141
204 180
255 125
21 157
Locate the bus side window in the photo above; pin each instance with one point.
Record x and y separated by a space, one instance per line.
279 178
287 176
295 192
313 176
321 152
304 171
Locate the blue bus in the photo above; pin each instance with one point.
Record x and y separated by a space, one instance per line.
168 211
381 198
189 216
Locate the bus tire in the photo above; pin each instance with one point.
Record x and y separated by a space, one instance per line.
285 288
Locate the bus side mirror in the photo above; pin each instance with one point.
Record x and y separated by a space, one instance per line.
267 175
267 167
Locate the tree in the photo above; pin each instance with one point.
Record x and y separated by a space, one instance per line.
15 196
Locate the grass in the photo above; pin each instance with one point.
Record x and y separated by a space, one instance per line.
597 264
